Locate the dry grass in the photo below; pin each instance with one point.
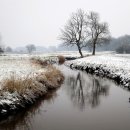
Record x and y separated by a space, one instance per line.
22 86
52 78
49 61
61 59
17 92
37 61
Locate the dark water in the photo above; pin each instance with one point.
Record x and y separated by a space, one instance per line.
83 102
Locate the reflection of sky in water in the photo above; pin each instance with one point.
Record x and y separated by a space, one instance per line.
71 106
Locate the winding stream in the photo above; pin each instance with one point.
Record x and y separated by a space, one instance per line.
83 102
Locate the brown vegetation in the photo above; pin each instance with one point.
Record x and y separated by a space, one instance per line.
17 92
54 77
23 86
38 61
61 59
39 84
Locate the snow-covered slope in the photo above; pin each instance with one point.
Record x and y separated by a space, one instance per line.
112 66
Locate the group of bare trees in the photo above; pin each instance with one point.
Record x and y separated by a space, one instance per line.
84 30
30 47
123 44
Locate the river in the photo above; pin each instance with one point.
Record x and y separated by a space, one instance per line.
83 102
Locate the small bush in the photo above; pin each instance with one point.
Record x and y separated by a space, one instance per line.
61 59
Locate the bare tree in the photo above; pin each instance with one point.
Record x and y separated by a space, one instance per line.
75 31
30 48
1 50
1 46
8 49
98 32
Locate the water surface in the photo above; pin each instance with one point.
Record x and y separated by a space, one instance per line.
83 102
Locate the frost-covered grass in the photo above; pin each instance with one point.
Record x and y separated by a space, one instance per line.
20 66
22 81
114 66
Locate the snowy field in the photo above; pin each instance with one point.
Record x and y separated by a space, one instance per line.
19 65
116 64
25 86
107 64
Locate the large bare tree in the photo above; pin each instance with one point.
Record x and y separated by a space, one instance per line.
75 31
98 32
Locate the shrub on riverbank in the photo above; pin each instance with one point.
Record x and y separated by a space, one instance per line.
61 59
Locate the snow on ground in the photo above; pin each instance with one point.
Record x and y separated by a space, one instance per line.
22 67
116 65
63 53
18 65
107 64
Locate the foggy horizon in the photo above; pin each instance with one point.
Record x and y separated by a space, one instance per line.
39 22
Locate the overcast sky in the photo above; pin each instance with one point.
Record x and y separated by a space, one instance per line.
39 21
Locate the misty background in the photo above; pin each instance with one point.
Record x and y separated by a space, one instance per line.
38 22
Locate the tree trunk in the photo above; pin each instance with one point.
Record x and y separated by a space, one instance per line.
94 47
80 52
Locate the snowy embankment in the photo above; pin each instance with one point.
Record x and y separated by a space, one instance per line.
111 66
23 81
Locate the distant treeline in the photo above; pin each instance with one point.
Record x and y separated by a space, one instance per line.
120 45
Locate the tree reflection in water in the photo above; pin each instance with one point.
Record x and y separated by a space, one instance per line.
83 89
86 90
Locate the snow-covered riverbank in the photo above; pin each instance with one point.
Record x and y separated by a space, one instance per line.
22 82
112 66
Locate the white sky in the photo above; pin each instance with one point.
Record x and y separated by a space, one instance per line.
39 21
